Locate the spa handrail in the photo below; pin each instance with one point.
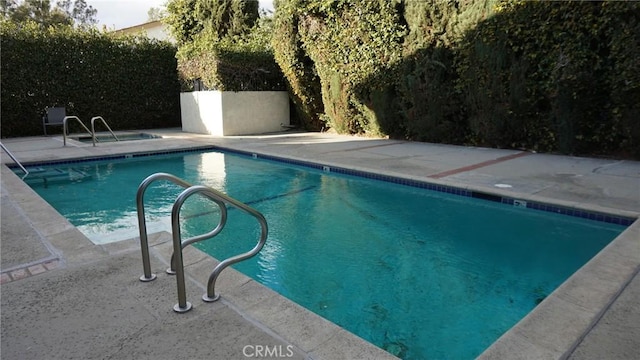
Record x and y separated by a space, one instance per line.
142 225
210 296
65 128
26 172
93 128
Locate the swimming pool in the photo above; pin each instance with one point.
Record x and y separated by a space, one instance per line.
419 273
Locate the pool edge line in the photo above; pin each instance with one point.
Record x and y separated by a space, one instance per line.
534 202
531 201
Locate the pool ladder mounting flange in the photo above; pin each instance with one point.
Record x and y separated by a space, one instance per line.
144 278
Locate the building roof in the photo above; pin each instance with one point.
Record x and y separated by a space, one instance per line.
140 27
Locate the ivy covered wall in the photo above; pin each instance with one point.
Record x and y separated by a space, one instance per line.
547 76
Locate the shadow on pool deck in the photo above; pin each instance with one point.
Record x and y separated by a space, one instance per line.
66 298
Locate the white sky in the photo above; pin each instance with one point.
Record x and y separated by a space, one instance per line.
118 14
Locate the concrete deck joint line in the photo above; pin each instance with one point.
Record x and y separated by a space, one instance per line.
370 147
479 165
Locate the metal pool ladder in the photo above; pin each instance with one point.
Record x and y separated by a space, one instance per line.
65 128
177 266
92 132
14 160
93 128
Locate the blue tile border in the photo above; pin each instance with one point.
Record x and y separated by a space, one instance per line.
608 218
114 157
562 210
590 215
358 173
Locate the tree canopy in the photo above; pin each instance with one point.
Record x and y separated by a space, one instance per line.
220 18
43 12
156 14
223 45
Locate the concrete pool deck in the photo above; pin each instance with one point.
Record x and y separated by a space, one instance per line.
63 297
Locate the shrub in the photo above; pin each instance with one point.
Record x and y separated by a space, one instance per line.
298 68
551 76
548 76
342 56
131 82
231 63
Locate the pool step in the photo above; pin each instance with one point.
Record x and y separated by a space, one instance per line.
50 176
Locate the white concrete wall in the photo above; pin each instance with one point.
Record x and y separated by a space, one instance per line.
201 112
234 113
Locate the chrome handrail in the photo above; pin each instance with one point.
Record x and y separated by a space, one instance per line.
183 305
264 231
223 221
65 128
142 226
177 265
93 129
14 160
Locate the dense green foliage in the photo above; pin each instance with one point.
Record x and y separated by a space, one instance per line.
182 20
232 63
303 81
65 12
428 106
131 82
549 76
553 76
223 45
218 18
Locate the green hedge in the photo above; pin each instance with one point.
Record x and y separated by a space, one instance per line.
548 76
325 59
554 76
235 63
297 67
227 46
131 82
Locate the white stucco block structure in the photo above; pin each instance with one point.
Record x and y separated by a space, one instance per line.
224 113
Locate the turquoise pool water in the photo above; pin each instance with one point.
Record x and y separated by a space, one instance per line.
422 274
